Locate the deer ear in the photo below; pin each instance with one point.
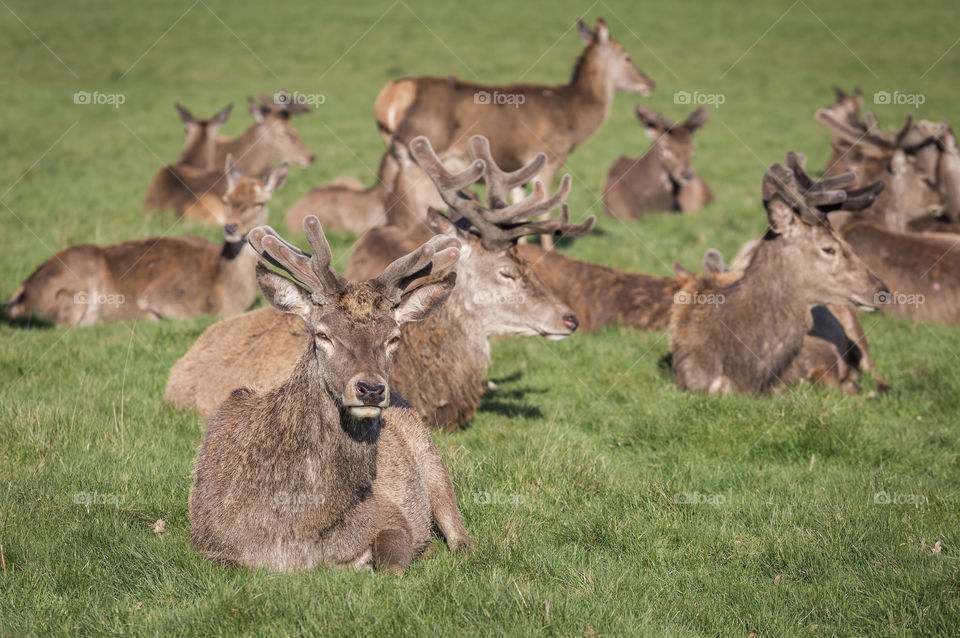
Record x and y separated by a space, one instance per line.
420 303
222 116
713 262
679 270
603 32
282 293
781 218
585 33
255 110
278 177
185 116
697 119
439 223
230 168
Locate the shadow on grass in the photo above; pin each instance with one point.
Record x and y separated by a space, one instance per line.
25 323
506 402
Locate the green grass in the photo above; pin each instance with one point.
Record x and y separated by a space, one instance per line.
587 447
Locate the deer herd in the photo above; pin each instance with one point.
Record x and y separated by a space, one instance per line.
317 448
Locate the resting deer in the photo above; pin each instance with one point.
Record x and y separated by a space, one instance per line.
441 362
200 149
329 468
196 192
743 337
910 193
662 179
520 120
602 296
159 278
342 206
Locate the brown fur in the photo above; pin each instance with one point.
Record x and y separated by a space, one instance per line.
290 478
196 191
164 277
662 179
551 119
744 336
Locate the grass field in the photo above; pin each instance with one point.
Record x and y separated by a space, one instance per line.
604 501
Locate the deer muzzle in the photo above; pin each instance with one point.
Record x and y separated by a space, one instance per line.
366 397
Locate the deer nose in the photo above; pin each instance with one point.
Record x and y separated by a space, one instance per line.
230 229
370 393
311 159
571 322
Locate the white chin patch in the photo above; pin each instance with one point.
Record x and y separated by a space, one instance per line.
365 411
556 337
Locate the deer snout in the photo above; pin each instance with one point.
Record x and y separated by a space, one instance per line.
312 158
370 393
880 297
571 322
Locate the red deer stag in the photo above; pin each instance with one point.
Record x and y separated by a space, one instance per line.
329 468
159 278
744 336
442 361
662 179
520 120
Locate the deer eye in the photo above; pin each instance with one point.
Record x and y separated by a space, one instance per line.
506 273
829 250
322 336
392 341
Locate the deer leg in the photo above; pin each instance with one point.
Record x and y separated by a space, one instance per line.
393 544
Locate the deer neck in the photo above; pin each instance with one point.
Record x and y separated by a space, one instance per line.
236 278
248 150
338 454
591 92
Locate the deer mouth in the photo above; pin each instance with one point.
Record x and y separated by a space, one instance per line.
365 411
860 304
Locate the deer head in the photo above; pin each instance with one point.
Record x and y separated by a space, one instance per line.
618 67
355 326
823 266
673 143
246 199
200 148
910 192
277 135
505 291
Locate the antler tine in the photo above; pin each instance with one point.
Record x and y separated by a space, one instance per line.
438 253
858 136
902 134
447 183
322 255
857 199
559 226
797 163
274 250
529 207
499 182
782 182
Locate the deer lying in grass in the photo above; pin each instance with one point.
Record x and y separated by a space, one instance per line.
441 362
662 179
520 120
602 296
321 470
163 277
343 206
196 192
873 156
743 337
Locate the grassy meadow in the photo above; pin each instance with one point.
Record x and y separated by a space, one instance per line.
604 501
